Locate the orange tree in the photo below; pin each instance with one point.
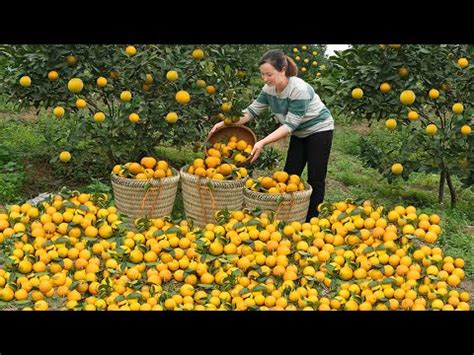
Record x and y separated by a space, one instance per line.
424 94
309 59
122 101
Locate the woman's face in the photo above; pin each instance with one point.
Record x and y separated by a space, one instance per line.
271 76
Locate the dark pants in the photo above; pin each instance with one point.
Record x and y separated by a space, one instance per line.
313 150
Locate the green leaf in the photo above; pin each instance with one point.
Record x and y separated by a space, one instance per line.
373 284
238 225
244 291
119 298
173 229
342 216
205 286
368 250
259 288
253 222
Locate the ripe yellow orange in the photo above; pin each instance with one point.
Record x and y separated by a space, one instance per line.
211 89
385 87
463 62
407 97
226 106
433 94
198 54
75 85
53 75
391 123
431 129
466 130
125 96
81 103
148 162
99 117
357 93
58 111
171 117
458 108
25 81
225 169
130 51
397 168
172 75
413 115
182 97
134 117
65 156
101 82
281 176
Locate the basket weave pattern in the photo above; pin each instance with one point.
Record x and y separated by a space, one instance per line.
293 206
134 200
201 202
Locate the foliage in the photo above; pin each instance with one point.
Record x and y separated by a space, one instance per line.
12 179
224 72
419 68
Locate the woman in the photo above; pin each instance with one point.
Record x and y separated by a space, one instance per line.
302 114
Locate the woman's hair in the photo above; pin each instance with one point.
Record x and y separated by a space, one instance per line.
279 60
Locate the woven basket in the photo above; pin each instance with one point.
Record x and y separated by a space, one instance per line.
287 207
134 200
224 134
201 202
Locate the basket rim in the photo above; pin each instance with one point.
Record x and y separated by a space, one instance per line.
152 181
204 180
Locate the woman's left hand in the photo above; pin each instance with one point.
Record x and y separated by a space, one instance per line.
257 149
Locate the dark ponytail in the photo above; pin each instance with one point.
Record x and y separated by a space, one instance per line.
278 59
291 69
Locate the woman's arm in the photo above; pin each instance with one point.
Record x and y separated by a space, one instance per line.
276 135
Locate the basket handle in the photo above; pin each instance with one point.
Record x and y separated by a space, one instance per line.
291 203
213 207
153 206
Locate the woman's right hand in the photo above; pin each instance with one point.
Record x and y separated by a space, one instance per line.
215 128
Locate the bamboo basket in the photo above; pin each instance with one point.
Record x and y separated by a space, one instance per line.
152 198
286 207
203 197
224 134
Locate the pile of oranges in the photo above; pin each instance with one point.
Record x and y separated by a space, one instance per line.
73 252
147 168
280 182
223 160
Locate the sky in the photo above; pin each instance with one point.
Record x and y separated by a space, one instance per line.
335 47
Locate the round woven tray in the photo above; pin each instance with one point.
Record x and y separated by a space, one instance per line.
287 207
202 196
152 198
223 135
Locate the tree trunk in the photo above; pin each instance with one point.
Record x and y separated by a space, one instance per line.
452 191
442 180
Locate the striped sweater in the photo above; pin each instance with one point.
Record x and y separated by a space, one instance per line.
297 107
